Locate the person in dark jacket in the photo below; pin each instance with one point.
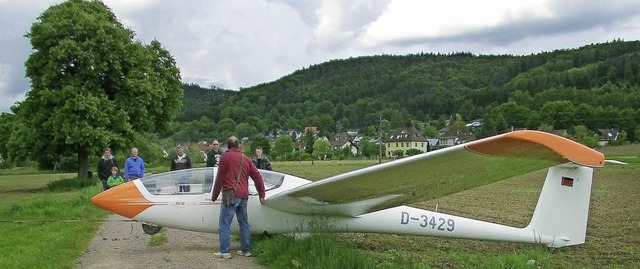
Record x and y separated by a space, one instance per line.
213 156
104 167
261 161
180 161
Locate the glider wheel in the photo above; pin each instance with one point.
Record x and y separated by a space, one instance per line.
265 234
150 229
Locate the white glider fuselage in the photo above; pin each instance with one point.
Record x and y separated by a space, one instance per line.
198 213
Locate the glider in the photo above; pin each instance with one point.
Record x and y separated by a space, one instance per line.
374 199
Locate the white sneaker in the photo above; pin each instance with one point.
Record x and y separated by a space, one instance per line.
242 253
222 255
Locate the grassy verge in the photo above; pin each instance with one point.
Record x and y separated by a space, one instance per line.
158 239
44 221
317 251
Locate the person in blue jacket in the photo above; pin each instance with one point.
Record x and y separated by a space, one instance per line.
133 166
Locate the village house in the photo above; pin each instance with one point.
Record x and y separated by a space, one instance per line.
403 139
607 135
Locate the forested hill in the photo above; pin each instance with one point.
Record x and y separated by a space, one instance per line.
595 85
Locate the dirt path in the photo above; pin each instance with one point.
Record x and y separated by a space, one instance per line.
120 244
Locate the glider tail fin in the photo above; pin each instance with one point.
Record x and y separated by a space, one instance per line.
560 217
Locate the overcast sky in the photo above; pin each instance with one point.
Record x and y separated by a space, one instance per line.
241 43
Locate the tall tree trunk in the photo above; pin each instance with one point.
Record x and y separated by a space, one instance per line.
83 162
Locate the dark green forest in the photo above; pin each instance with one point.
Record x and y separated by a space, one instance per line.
595 86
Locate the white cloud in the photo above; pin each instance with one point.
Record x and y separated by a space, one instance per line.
339 22
4 78
427 19
130 5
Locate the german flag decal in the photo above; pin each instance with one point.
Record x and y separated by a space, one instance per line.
567 181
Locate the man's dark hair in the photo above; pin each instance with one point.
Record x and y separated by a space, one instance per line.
233 142
105 149
259 147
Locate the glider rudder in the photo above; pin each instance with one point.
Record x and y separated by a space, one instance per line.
560 217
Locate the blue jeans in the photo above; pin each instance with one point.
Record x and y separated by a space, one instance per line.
224 226
104 185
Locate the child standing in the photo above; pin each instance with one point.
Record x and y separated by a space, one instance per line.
115 178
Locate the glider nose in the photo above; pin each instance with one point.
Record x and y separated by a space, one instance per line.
125 200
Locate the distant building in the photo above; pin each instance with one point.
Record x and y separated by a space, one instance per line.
607 135
313 129
405 138
474 124
353 132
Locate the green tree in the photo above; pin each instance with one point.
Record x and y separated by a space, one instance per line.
456 124
322 148
493 124
260 141
545 127
368 149
621 140
309 139
585 136
514 115
6 126
226 127
371 150
637 134
91 86
283 146
560 114
430 131
345 152
245 130
260 125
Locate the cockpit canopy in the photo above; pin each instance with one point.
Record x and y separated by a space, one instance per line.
199 181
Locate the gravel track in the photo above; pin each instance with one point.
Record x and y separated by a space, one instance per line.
119 244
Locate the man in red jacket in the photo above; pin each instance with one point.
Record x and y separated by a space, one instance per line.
228 169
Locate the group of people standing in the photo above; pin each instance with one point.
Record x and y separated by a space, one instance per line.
234 170
109 170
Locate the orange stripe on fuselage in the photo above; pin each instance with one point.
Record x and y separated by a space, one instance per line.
539 145
125 200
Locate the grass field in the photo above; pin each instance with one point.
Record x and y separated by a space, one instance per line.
43 219
613 232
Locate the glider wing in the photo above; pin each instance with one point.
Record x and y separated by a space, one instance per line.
434 174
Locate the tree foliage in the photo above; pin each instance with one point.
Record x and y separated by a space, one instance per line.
322 149
283 146
260 141
309 140
91 86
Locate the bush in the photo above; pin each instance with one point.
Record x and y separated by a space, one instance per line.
411 152
69 163
5 164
